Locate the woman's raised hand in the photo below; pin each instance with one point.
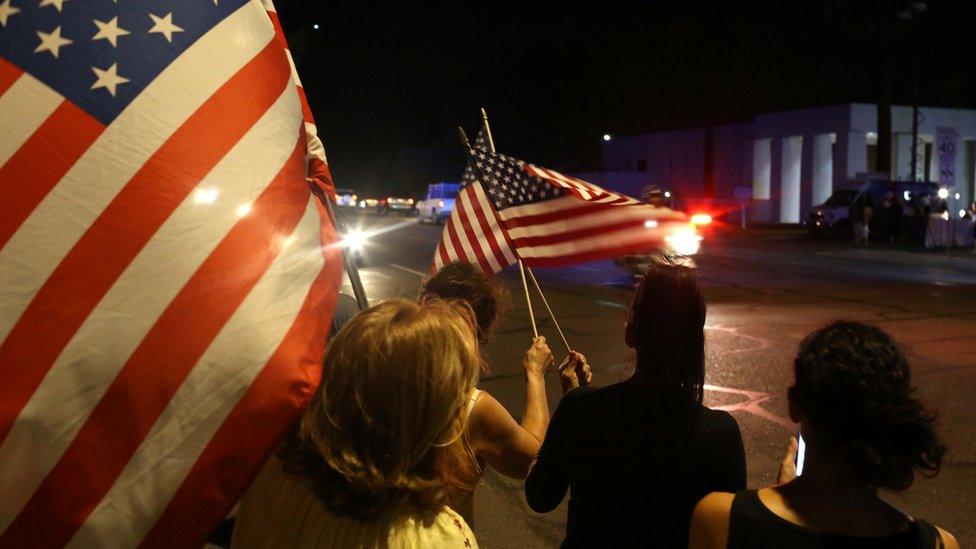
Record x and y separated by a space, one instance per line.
538 359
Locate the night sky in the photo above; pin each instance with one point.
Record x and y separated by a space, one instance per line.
388 88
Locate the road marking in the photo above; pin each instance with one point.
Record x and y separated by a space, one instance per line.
750 405
761 343
408 269
610 304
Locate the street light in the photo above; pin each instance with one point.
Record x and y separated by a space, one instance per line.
607 137
943 193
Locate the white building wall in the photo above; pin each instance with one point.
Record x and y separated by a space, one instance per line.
822 168
789 203
832 151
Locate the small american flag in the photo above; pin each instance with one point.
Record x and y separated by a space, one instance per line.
167 276
543 217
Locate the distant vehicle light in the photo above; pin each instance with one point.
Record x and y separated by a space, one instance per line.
362 203
667 194
957 196
650 224
962 213
907 195
389 199
354 199
700 219
607 137
943 193
684 241
440 203
410 201
945 215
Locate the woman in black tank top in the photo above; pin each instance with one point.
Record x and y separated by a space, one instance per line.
864 431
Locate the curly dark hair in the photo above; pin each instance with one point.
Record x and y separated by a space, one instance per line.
482 292
854 385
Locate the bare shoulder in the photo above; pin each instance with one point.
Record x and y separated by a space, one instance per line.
950 541
710 521
488 418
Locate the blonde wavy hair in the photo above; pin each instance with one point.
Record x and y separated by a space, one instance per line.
385 427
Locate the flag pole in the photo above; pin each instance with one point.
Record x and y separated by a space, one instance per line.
352 272
525 285
548 308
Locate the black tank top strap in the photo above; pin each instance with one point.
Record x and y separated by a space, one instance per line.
744 516
928 535
752 524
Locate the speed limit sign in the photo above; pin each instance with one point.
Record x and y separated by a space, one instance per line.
946 146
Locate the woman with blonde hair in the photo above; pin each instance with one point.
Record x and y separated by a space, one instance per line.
379 453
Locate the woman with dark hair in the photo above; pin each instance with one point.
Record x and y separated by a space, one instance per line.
637 455
864 430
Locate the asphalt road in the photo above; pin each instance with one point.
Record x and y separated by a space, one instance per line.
765 292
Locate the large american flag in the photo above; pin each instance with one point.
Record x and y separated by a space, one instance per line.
167 276
509 209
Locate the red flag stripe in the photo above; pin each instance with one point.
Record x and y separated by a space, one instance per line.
38 165
306 110
491 226
471 202
610 249
573 210
9 73
194 317
128 222
651 236
469 236
225 467
455 241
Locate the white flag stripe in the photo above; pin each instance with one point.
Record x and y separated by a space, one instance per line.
25 105
120 151
592 243
496 229
479 234
544 207
446 239
294 69
571 202
594 219
215 385
462 235
79 377
315 147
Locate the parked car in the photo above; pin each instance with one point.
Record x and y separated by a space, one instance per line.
439 203
833 216
346 198
398 205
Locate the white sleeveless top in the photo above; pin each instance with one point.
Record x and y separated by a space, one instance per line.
280 510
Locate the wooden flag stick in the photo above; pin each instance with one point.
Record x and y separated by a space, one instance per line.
548 308
525 285
528 300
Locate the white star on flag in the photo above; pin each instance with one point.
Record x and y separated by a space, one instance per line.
108 79
6 10
164 25
51 41
109 30
56 3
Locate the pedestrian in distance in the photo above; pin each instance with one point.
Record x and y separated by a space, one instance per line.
636 456
972 219
864 431
493 436
379 454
